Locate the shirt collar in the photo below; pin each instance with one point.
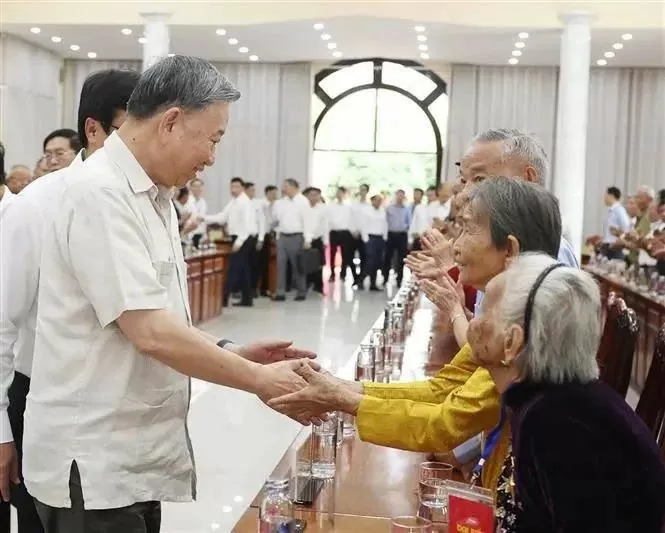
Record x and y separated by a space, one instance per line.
136 176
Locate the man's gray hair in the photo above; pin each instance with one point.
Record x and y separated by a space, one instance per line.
522 209
645 189
564 332
188 82
519 144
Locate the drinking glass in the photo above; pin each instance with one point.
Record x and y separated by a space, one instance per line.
324 448
365 364
411 524
433 479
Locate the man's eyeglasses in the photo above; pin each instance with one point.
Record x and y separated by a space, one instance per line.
57 155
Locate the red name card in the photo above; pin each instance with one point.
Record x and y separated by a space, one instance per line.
469 516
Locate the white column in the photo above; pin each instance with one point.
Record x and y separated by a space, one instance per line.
571 124
156 33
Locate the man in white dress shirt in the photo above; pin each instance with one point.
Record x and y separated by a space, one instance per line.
239 217
359 208
267 203
106 434
101 110
260 221
198 206
320 235
293 215
439 210
420 221
340 215
374 235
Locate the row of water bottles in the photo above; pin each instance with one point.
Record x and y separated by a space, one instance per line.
381 357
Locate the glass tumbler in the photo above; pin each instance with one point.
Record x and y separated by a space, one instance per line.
411 524
324 448
432 484
365 363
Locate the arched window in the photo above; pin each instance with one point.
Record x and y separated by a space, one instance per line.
378 121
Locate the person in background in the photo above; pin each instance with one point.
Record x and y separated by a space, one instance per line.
199 207
259 233
18 178
359 208
293 214
418 194
239 217
186 221
635 240
339 223
399 221
320 235
106 436
41 168
60 148
270 197
101 110
7 468
374 235
439 209
582 459
616 223
420 220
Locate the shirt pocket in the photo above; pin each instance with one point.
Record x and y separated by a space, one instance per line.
165 271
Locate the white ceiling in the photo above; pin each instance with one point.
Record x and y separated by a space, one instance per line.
355 37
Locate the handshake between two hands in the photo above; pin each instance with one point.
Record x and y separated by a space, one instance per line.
292 383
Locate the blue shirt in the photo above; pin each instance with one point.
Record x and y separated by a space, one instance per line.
399 218
617 217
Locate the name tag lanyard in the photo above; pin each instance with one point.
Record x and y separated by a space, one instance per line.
491 443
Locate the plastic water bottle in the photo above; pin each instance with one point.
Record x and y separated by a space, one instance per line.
276 511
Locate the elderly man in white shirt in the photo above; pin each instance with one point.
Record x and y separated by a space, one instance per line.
106 417
293 215
374 235
101 109
239 217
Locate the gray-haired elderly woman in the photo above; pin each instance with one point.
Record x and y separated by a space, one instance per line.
583 461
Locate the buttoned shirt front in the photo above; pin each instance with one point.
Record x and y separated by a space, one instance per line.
21 230
259 218
239 218
399 218
375 223
113 246
294 215
359 210
618 218
320 223
268 215
439 210
339 216
420 221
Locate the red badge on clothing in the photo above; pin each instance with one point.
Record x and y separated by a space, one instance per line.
469 516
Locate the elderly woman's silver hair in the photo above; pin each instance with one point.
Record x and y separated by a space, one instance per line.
564 333
522 145
517 207
190 83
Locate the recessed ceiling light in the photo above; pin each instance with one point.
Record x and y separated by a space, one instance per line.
220 31
609 55
627 36
92 55
332 46
142 40
35 30
419 29
617 46
513 61
523 35
126 31
318 26
423 47
421 38
233 40
227 508
424 56
601 62
337 53
520 45
171 55
253 58
517 53
75 48
325 36
56 39
243 49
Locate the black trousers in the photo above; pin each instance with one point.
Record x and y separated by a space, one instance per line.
396 245
263 265
315 279
344 241
375 248
239 277
144 517
28 519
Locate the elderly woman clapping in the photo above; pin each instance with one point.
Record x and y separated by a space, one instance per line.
504 217
583 461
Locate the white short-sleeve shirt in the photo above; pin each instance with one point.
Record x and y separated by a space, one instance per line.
95 399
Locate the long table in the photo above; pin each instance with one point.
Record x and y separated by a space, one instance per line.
206 273
373 483
650 313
